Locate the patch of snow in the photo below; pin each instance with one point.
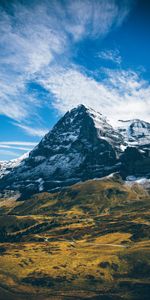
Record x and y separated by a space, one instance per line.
123 147
41 183
136 132
39 158
7 166
130 180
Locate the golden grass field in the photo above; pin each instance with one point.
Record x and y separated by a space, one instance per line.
89 241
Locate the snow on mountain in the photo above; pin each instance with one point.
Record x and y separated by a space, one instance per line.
7 166
145 182
136 132
136 157
106 131
82 145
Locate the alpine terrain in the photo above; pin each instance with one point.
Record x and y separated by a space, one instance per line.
75 213
81 146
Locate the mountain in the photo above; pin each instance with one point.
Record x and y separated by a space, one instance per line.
7 166
81 146
88 240
136 157
136 132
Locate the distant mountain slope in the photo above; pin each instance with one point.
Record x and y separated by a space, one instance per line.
136 157
7 166
136 132
88 241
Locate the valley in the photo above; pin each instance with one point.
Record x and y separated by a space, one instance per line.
88 241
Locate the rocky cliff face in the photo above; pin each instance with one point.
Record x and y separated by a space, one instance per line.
135 132
136 157
81 146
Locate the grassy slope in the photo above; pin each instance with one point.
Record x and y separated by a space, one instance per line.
89 241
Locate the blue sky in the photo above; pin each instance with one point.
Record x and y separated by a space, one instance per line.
57 54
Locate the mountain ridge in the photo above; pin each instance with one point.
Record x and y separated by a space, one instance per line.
136 133
81 146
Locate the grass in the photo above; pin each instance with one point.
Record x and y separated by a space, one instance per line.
90 241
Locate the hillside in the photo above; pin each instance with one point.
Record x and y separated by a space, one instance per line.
89 241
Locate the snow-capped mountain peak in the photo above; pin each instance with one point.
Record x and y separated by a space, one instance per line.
76 122
82 145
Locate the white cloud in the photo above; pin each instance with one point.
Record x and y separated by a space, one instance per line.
18 143
28 44
123 95
8 153
16 148
7 148
39 132
35 36
111 55
93 18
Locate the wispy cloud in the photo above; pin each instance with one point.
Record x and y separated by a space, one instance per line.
6 148
121 95
18 143
8 153
111 55
39 132
35 36
93 18
16 148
